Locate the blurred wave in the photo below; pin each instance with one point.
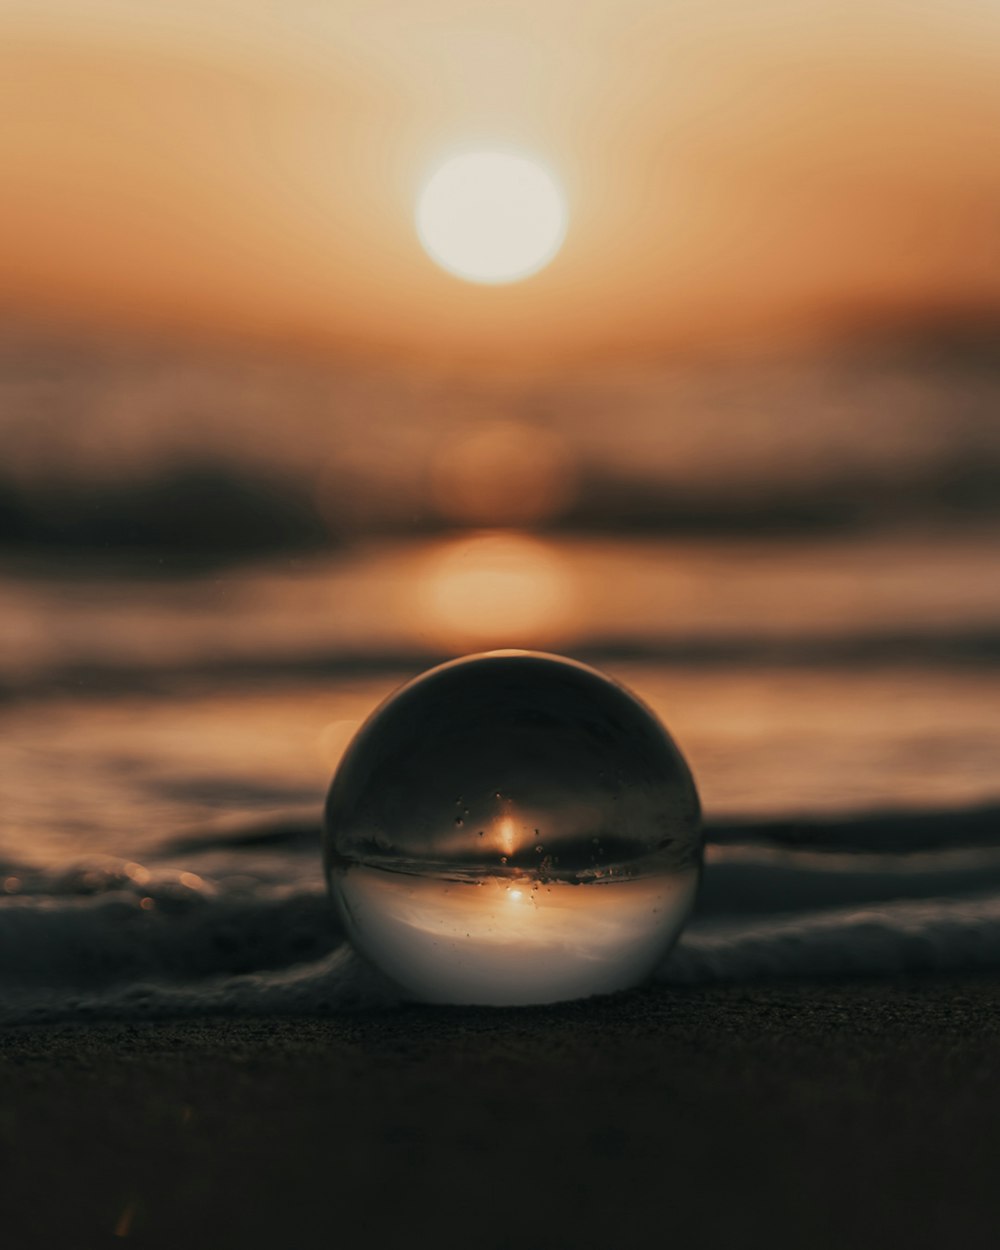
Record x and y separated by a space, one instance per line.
211 511
107 937
208 453
193 510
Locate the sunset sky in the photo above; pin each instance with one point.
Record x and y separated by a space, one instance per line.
251 168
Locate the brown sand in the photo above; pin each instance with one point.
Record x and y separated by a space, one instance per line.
826 1115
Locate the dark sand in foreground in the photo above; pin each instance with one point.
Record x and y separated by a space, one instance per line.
823 1115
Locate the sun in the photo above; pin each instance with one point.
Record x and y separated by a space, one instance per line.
491 217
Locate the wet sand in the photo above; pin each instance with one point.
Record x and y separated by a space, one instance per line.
830 1114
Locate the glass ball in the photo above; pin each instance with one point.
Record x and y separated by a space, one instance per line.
512 828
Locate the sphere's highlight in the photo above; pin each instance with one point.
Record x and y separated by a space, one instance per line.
512 828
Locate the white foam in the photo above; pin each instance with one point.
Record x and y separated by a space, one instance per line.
134 944
902 936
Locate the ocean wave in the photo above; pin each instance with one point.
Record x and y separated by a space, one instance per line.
961 646
934 935
74 943
115 939
902 937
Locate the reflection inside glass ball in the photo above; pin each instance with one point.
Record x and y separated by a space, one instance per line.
512 828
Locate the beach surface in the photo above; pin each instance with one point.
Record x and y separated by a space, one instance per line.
820 1113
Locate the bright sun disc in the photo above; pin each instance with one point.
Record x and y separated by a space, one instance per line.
491 216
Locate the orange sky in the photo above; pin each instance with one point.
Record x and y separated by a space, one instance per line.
732 168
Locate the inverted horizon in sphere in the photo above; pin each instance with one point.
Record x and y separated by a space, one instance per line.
491 217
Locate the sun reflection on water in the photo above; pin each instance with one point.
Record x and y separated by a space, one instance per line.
495 589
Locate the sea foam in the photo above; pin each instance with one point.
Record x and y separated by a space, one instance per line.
119 940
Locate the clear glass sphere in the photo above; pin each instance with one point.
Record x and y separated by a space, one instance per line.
512 828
